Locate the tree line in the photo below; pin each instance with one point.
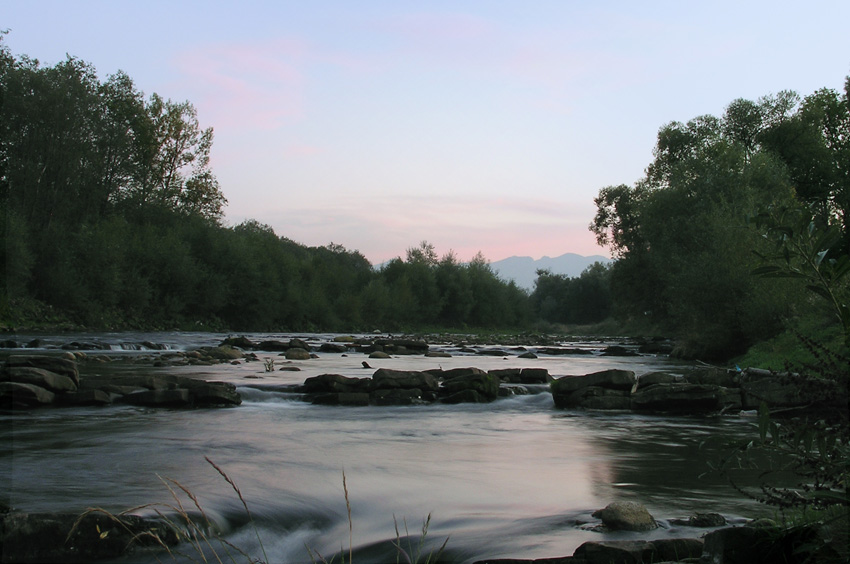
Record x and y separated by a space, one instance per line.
113 218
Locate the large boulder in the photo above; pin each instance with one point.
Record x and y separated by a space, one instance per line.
638 551
678 397
52 381
626 516
335 383
241 342
621 552
385 378
297 353
400 396
203 393
613 379
596 397
55 364
222 353
651 378
564 389
485 385
166 390
522 375
18 395
85 398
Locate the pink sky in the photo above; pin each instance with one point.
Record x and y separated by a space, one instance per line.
476 126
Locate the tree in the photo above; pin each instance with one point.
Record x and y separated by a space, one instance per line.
680 236
172 155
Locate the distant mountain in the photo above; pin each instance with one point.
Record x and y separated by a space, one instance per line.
523 270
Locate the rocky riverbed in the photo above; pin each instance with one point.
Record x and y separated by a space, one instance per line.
167 379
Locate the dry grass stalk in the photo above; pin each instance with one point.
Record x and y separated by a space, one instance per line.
244 504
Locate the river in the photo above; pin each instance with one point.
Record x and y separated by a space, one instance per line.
516 478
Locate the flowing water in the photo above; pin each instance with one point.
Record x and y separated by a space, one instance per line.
516 478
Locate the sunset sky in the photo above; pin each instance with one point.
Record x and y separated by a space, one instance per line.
478 126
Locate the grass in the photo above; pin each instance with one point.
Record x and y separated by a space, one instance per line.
409 555
199 533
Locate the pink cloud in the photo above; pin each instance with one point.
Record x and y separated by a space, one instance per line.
383 228
257 85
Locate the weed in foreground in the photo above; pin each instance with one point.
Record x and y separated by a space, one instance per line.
408 555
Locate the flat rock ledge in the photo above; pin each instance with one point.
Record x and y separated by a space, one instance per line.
28 381
701 390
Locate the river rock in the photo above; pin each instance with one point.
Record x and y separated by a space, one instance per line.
39 377
563 388
85 398
18 395
55 364
242 342
332 348
613 379
484 384
271 346
61 537
596 397
678 397
297 353
222 353
622 552
203 393
743 545
385 378
465 396
438 354
379 354
400 396
522 375
701 520
626 516
651 378
335 383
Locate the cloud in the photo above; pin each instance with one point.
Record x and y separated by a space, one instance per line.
258 85
383 228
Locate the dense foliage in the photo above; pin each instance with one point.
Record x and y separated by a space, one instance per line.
113 218
684 236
